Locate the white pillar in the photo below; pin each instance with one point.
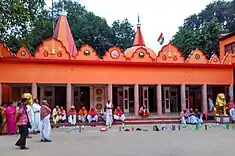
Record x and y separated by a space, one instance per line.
182 93
145 98
231 91
159 99
110 92
69 96
34 90
204 99
136 99
0 94
41 94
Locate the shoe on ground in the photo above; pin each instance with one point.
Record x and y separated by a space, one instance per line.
46 140
24 148
17 145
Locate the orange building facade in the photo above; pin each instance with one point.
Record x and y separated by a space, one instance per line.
164 81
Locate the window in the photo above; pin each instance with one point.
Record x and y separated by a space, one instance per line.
230 47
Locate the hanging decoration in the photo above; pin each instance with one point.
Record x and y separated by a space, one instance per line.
197 56
164 57
23 53
86 52
46 53
115 54
141 54
59 54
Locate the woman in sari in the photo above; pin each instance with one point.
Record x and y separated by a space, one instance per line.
11 118
4 119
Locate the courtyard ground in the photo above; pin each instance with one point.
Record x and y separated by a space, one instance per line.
91 142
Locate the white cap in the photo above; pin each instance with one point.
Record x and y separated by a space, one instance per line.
72 107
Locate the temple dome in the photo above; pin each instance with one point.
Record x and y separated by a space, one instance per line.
139 44
130 51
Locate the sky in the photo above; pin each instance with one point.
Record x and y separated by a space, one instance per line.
156 16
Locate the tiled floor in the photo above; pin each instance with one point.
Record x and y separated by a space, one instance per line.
216 141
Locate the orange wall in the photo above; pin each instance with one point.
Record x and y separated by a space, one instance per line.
103 74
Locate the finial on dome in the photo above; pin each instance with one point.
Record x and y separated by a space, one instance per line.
138 24
63 11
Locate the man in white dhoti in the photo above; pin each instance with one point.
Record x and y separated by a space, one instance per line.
62 115
92 116
198 117
232 114
82 114
184 117
45 125
72 116
192 117
31 118
118 115
56 114
36 110
109 114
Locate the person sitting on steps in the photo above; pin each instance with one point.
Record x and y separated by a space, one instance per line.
143 112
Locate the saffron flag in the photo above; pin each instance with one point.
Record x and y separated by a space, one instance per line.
161 39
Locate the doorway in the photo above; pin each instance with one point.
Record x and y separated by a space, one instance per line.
152 99
60 96
124 97
195 98
85 97
171 99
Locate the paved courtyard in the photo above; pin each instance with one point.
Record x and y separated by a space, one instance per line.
91 142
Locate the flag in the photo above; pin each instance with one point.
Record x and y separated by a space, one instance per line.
161 39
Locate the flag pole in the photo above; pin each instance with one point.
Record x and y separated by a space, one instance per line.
52 13
53 26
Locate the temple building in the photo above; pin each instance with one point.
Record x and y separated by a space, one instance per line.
165 81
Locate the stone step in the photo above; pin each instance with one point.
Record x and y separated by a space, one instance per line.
151 118
133 122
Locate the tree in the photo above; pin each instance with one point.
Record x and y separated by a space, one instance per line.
17 16
86 27
202 30
205 39
42 29
123 34
186 40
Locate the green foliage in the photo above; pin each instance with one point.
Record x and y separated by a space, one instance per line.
123 34
206 39
202 30
86 27
17 16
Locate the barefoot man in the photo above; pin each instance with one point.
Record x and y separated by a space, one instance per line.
45 122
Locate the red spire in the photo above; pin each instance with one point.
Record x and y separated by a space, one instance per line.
139 40
63 33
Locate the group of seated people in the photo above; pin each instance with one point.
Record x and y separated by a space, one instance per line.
59 115
191 117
